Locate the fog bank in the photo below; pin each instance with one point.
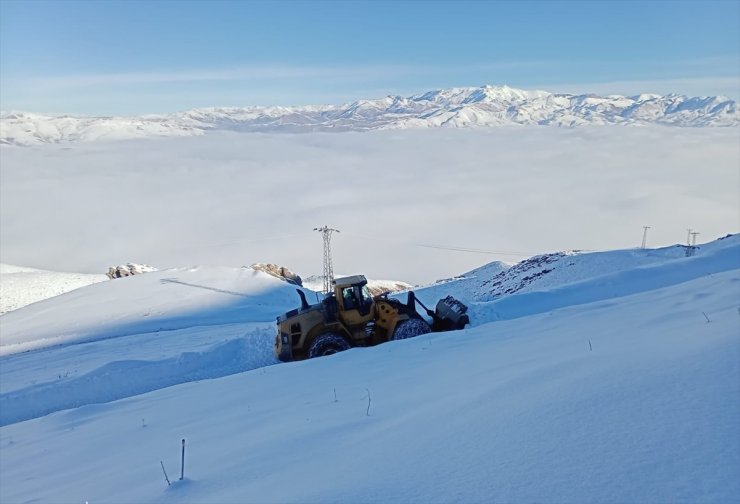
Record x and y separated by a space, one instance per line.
234 199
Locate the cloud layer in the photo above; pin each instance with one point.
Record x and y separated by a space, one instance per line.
234 199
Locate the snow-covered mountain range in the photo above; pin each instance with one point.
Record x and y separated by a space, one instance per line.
486 106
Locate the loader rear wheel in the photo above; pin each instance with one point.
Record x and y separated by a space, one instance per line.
327 344
410 328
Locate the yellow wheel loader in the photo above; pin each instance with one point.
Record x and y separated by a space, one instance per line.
350 317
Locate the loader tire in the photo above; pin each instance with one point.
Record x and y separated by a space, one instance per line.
327 344
410 328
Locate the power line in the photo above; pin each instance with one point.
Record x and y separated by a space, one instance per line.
443 247
240 242
472 251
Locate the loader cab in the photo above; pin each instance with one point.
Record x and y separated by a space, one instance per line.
354 299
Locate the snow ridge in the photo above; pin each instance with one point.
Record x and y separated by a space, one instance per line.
486 106
125 378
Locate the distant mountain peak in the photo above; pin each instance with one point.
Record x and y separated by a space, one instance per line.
458 107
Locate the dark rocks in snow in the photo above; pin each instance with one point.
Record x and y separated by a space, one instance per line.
128 269
522 274
280 272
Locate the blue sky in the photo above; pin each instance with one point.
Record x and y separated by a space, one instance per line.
132 57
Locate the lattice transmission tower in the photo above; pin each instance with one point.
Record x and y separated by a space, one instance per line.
691 242
644 236
326 233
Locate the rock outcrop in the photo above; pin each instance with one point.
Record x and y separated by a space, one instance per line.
280 272
128 269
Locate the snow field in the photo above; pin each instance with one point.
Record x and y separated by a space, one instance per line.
518 410
609 389
21 286
140 338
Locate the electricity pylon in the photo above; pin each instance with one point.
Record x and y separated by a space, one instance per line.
326 233
644 236
691 243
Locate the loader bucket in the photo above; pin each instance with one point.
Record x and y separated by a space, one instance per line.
450 314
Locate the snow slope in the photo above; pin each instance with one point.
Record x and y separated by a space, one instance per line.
164 300
456 107
550 275
20 286
627 394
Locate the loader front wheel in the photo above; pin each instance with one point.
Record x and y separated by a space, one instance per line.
410 328
327 344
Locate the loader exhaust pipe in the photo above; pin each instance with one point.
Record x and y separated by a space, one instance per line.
304 303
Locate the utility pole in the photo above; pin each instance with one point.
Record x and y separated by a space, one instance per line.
326 233
688 237
691 243
644 235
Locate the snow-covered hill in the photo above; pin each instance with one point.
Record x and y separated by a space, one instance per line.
485 106
159 301
20 286
599 377
614 380
554 270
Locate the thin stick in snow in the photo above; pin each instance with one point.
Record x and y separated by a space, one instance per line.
589 346
367 413
335 395
182 467
165 474
705 316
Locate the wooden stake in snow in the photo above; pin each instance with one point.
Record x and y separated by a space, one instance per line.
165 473
182 467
